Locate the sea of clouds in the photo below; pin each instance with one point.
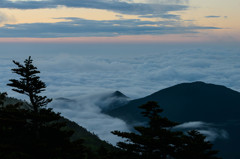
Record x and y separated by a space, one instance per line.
136 72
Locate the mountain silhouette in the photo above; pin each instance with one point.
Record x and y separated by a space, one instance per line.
197 101
112 101
118 94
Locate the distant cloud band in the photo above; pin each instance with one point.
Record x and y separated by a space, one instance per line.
87 28
212 16
156 10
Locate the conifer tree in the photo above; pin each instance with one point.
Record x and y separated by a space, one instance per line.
39 134
29 84
156 141
195 146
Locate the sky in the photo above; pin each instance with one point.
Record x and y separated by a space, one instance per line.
85 48
119 21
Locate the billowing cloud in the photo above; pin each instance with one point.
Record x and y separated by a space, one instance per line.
81 27
86 111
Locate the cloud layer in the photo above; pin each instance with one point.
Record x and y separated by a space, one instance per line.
86 111
81 27
135 71
112 5
162 18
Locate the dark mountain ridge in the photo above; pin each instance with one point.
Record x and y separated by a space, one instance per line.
187 101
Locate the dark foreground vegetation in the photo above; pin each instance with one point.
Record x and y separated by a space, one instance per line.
33 131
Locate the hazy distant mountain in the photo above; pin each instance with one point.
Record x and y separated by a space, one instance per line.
118 94
106 101
112 101
214 104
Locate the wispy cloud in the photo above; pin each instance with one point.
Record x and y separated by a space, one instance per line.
162 18
2 17
111 5
213 16
193 125
81 27
5 18
211 131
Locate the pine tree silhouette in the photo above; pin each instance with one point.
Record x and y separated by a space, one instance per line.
36 132
156 141
29 84
159 141
195 146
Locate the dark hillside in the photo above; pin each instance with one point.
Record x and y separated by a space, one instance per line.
90 140
195 101
188 101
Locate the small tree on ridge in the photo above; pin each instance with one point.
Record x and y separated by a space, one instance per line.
29 84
